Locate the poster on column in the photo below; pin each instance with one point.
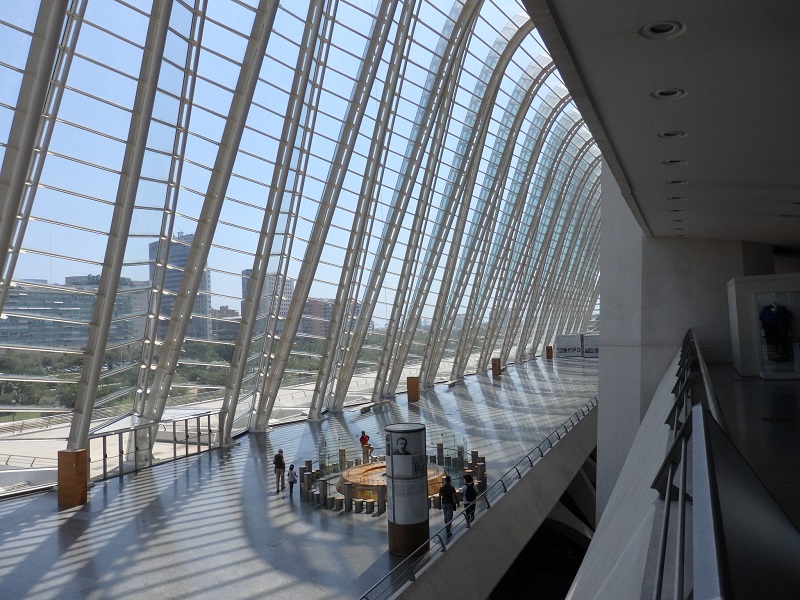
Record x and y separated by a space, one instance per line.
407 501
405 454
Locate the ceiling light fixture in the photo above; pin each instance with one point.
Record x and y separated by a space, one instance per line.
662 30
669 94
677 161
671 135
676 197
676 182
675 210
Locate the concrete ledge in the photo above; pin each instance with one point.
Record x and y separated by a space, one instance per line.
616 563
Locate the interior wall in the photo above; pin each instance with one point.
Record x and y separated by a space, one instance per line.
652 291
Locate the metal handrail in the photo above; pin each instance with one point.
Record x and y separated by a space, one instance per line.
407 570
693 402
187 435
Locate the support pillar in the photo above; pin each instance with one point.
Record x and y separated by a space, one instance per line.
406 487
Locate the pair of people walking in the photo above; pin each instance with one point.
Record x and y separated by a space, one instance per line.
449 500
280 474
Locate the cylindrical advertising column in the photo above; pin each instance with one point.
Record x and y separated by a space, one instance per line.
407 487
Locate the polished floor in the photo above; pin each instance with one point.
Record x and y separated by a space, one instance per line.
763 419
212 526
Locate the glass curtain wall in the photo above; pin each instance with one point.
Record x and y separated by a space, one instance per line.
281 208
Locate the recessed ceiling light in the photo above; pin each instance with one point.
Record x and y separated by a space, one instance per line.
676 197
675 210
662 30
677 229
678 161
676 221
676 182
671 135
669 94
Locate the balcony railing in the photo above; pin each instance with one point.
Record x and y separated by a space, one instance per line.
115 453
721 534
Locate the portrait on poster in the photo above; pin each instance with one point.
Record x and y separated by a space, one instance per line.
405 454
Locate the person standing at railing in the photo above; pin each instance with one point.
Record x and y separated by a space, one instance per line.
469 493
280 469
448 501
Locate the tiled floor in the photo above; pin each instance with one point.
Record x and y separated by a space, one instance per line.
211 526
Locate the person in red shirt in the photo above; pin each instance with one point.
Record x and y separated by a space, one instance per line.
364 441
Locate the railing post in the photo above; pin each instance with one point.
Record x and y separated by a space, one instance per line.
150 438
105 457
120 454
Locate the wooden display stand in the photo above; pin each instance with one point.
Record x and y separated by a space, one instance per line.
413 389
73 481
496 370
548 352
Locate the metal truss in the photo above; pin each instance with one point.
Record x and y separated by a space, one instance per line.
209 215
344 151
172 178
474 262
526 310
440 330
55 35
544 275
556 294
501 276
120 224
443 83
340 330
283 167
474 137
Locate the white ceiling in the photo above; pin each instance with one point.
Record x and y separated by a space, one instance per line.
739 64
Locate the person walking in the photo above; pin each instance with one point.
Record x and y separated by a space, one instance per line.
280 468
469 493
291 477
448 501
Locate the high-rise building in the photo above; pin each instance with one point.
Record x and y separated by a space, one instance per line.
200 326
277 289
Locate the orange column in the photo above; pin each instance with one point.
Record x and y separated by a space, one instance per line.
413 389
496 367
73 481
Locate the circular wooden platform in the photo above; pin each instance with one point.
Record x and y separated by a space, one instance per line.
365 479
